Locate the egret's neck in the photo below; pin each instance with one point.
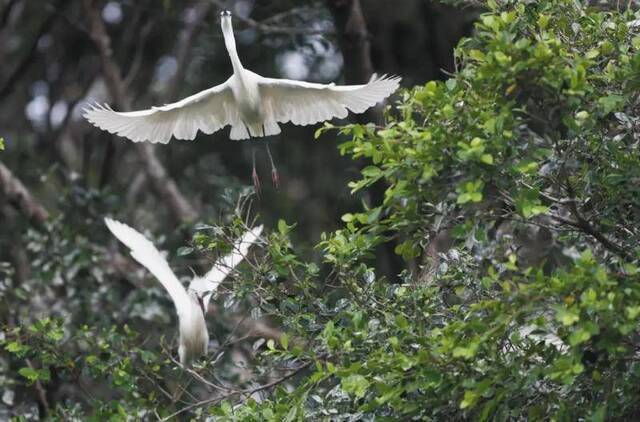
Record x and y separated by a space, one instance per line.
230 43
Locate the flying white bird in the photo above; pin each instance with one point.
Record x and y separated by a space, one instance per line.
191 304
253 105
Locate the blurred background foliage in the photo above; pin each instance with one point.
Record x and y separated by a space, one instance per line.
469 252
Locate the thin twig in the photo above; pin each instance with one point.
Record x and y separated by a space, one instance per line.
247 392
273 29
42 394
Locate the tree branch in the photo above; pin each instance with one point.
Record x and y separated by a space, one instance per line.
273 29
246 392
353 38
185 43
18 195
29 58
161 182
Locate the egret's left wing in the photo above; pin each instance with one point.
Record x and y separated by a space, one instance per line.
305 103
222 268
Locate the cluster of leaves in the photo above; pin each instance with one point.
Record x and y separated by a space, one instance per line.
527 161
512 186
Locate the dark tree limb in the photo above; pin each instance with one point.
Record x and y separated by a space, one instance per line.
354 41
163 185
16 194
267 28
185 43
6 12
353 38
29 57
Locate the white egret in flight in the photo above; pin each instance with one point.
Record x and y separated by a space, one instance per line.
252 104
191 304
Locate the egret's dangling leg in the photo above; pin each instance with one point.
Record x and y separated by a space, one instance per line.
275 178
254 173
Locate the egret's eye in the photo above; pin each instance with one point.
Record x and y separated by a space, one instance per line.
225 13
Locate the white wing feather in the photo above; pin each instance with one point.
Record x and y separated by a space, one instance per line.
225 265
143 251
207 111
305 103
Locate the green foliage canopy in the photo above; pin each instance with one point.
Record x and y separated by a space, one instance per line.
528 161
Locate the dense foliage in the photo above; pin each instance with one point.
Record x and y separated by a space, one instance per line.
512 190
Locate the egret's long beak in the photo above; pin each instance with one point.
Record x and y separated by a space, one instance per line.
201 303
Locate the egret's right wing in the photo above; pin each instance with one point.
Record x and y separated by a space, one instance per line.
207 111
143 251
226 264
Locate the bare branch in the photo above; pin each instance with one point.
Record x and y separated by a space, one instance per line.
42 393
18 195
353 37
246 392
274 29
29 57
162 183
185 43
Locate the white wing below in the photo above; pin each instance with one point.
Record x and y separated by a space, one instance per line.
143 251
210 282
305 103
206 111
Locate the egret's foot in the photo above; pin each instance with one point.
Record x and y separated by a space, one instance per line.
256 182
275 178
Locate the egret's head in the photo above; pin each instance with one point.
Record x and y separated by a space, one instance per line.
225 17
227 30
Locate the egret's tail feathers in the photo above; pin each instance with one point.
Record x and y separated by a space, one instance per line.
256 129
271 128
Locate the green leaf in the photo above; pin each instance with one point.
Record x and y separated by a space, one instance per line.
526 166
468 351
29 373
543 21
469 400
271 345
371 171
501 57
567 316
477 55
1 143
611 103
283 228
593 53
470 192
583 333
600 414
355 384
185 250
284 341
487 158
13 347
347 218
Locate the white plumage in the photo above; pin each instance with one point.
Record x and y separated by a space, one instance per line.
253 105
191 303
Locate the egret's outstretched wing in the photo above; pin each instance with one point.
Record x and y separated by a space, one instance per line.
305 103
207 111
226 264
143 251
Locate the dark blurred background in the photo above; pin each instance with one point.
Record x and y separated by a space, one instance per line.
52 65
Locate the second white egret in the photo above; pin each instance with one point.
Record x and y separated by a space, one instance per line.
191 304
